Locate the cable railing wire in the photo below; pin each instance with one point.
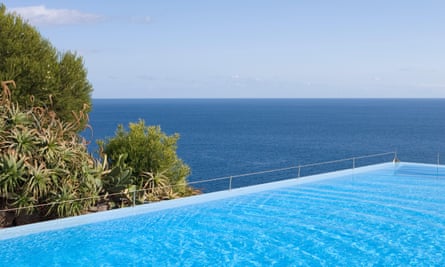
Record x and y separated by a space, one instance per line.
229 177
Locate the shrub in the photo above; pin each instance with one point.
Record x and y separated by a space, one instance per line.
41 71
150 156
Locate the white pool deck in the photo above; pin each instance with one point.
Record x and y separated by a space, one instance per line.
57 224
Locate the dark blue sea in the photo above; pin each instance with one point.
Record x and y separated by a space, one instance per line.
224 137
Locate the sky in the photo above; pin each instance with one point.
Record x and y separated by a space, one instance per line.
250 48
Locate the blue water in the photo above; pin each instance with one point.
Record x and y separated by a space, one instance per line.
222 137
385 217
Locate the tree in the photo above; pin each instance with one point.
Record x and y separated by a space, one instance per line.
151 155
39 70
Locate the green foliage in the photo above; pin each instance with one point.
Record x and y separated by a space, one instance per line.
44 164
41 71
151 156
46 170
42 160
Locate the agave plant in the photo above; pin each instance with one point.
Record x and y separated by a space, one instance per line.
12 173
15 117
65 200
44 162
21 139
155 185
39 180
24 203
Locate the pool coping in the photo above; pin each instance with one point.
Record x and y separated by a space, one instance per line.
57 224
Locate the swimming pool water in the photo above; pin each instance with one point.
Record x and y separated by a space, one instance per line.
385 216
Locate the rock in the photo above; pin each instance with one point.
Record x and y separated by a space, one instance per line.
24 218
6 218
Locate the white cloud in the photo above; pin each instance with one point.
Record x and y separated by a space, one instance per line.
142 20
40 15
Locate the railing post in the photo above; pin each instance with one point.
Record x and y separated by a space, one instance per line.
396 159
134 198
230 183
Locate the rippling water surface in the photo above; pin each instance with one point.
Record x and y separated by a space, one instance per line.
386 217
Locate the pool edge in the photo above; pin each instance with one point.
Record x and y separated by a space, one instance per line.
18 231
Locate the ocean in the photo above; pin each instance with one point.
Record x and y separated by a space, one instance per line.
224 137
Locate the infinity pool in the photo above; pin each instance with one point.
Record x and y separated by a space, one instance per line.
387 214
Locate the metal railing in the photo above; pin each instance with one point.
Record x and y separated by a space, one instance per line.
294 171
234 181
